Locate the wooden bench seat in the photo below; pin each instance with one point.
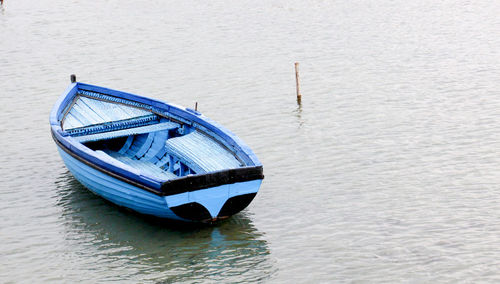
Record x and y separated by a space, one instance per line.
201 153
127 132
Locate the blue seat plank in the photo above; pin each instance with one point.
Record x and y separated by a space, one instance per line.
126 132
201 153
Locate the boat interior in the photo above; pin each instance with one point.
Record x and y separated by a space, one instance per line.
128 132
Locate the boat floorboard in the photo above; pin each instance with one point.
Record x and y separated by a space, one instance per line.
144 166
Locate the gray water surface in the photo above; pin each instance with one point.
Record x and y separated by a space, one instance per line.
387 173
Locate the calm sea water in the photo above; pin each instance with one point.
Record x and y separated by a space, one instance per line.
388 172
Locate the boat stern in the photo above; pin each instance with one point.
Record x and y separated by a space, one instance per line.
215 203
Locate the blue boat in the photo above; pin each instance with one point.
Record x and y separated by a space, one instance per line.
153 157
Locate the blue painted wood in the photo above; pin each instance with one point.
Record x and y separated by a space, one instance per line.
85 103
164 161
85 115
143 166
91 111
136 145
100 111
127 132
126 195
146 146
81 116
158 145
73 121
133 176
127 144
117 191
62 104
201 153
181 114
114 125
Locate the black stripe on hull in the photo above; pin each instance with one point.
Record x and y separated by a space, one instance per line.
196 182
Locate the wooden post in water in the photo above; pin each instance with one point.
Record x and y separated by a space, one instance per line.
299 95
196 106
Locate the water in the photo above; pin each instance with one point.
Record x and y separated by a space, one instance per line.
388 172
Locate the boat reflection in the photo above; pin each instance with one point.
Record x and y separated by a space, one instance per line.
163 250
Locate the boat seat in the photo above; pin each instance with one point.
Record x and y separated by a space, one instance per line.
143 166
127 132
201 153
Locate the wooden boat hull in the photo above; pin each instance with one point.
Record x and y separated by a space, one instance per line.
144 202
203 197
